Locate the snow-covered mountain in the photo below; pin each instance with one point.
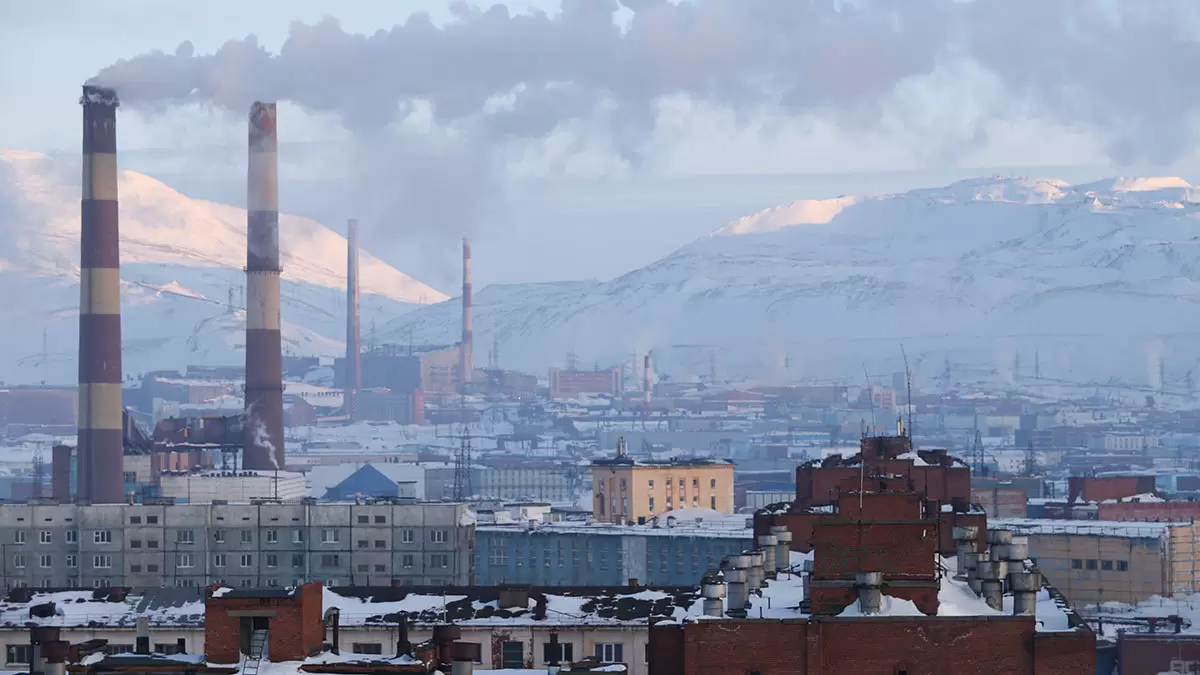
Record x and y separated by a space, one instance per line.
1087 281
181 273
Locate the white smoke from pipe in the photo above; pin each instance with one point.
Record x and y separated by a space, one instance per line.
1154 363
262 439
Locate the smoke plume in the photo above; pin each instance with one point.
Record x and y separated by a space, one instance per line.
490 78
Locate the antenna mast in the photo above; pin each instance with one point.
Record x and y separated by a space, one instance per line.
870 394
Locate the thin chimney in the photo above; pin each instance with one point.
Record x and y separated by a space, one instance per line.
264 353
100 450
353 348
466 355
647 390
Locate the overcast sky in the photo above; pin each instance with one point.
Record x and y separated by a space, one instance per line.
876 103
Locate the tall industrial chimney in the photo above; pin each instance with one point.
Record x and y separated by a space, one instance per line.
264 351
646 388
466 355
100 448
353 349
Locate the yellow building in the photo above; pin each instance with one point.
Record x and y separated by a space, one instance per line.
628 490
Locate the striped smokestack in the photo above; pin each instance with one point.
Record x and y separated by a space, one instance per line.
100 450
264 353
353 349
466 354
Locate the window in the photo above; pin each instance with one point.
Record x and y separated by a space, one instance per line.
1122 566
695 483
135 520
160 648
247 560
609 652
566 653
512 654
367 648
297 536
380 568
19 561
185 560
272 560
363 520
135 569
652 504
681 485
218 560
18 653
380 543
72 536
151 520
363 543
297 560
380 520
329 560
19 537
45 561
185 537
437 536
712 503
1091 563
329 536
439 561
46 537
1106 565
1076 564
651 483
129 476
497 555
151 543
135 543
102 562
100 583
272 582
246 537
72 561
272 536
246 583
363 568
712 483
219 536
408 537
152 568
406 561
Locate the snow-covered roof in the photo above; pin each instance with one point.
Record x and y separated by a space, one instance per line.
1097 528
162 606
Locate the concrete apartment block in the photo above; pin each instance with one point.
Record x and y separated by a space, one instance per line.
243 545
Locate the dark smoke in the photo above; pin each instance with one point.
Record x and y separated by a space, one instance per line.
1122 70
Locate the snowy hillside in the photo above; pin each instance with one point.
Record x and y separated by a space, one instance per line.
1098 280
181 273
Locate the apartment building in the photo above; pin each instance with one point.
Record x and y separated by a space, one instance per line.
628 490
541 480
259 545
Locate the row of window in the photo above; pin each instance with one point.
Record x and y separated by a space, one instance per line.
437 560
189 536
1105 565
712 483
249 582
712 502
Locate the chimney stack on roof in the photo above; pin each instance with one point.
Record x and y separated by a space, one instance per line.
100 447
466 354
353 350
264 351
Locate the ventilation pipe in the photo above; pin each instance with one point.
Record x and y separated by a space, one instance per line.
465 654
712 589
333 619
735 580
403 646
1025 587
970 569
754 573
142 643
991 584
54 653
767 544
806 574
870 591
966 539
783 547
999 542
38 636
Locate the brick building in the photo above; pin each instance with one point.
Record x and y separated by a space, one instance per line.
876 592
1099 489
941 483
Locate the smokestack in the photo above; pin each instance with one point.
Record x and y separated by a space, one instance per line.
264 353
100 421
353 350
466 356
646 380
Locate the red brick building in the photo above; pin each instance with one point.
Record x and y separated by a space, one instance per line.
878 595
291 618
941 484
1098 489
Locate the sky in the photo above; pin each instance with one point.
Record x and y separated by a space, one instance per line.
571 183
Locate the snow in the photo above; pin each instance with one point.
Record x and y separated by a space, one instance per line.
1148 497
1103 528
967 268
888 607
180 258
221 592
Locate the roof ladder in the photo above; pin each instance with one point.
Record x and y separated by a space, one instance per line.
258 645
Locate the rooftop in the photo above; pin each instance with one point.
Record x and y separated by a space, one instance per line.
1098 528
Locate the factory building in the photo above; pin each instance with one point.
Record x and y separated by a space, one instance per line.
573 383
628 490
403 368
261 545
